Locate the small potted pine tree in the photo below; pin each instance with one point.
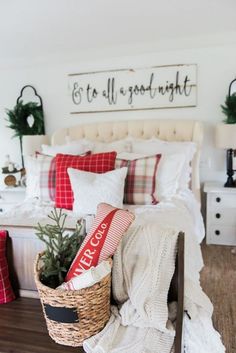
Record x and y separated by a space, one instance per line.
71 315
61 248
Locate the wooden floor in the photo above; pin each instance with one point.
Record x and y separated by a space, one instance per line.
23 330
219 283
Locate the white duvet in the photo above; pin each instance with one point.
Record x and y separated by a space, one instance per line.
30 212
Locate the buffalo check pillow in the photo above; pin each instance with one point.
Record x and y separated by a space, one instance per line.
6 293
47 176
95 163
140 184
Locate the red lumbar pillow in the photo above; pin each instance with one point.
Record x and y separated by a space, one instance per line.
6 293
103 239
96 163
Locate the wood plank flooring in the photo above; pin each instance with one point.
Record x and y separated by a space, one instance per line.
23 329
218 280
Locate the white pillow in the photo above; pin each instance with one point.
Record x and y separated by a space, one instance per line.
32 168
90 189
168 174
72 147
155 145
118 146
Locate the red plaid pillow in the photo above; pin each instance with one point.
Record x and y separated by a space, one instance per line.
47 176
96 163
6 293
140 183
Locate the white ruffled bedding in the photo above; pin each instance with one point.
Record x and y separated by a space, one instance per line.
32 210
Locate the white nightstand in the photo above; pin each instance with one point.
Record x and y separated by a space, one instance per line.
11 196
220 214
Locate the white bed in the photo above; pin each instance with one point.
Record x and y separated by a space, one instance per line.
21 220
182 212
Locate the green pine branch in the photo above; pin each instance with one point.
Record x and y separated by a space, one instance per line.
61 248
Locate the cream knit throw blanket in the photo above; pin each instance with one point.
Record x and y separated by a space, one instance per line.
142 270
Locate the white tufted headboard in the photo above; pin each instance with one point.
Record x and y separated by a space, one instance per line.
169 130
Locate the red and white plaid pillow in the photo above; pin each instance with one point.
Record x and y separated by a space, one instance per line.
6 293
96 163
140 184
47 177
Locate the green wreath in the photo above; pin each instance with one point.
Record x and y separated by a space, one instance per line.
26 119
18 119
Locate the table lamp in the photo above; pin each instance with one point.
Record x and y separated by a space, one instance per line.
225 137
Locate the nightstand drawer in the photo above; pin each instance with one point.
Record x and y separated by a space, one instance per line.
218 200
223 235
223 216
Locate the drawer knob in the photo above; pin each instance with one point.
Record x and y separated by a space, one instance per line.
218 199
1 210
217 232
218 215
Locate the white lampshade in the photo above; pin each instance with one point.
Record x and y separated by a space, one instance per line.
33 143
225 136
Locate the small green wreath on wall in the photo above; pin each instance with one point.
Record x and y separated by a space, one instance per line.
26 119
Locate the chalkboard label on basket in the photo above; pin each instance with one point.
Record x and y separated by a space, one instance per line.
61 314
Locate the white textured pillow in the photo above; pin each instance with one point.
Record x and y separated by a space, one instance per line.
168 174
90 189
32 167
155 145
72 147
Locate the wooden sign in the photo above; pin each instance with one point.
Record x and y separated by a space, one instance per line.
150 88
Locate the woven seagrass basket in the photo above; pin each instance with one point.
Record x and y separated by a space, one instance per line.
73 316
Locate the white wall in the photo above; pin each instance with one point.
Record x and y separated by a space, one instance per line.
216 69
